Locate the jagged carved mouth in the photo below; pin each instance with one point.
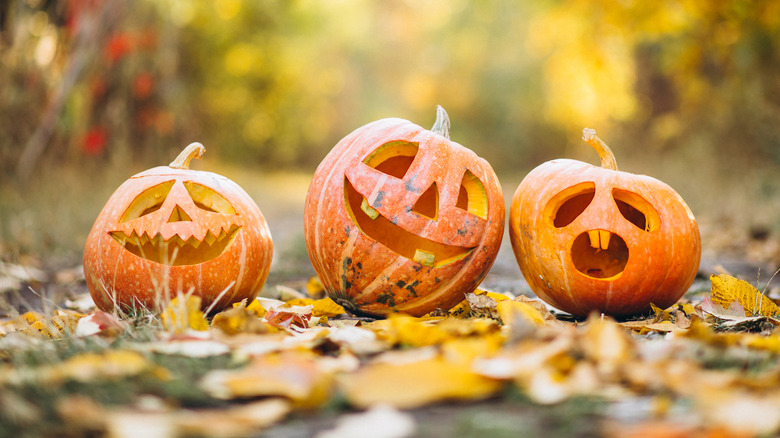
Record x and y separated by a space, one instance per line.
411 246
177 251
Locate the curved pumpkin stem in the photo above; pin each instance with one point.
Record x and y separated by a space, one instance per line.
442 124
194 150
605 153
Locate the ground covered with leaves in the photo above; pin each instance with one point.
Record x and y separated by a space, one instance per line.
299 365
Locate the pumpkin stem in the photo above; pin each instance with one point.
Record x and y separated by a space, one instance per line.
605 153
442 124
194 150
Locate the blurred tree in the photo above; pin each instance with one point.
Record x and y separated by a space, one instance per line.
278 82
670 73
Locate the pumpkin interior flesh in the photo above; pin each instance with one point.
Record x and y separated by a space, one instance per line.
176 251
636 210
567 205
599 254
393 158
400 241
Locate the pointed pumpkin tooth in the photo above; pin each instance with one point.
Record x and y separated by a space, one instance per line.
604 237
369 210
594 239
193 242
424 257
209 238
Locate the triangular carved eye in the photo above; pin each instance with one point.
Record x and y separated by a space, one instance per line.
472 196
208 199
393 158
567 205
428 203
148 201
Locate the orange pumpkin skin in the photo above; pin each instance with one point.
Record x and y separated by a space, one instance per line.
420 252
171 230
589 238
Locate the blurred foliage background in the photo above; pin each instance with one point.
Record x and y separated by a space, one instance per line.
687 91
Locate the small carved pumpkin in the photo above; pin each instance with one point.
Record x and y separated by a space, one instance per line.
401 219
591 238
171 229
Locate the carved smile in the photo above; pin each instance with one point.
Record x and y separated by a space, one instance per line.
411 246
176 251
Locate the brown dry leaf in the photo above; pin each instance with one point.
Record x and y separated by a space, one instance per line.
293 375
184 314
413 384
727 289
239 320
286 316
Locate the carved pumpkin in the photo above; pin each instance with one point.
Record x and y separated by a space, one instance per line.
591 238
401 219
171 229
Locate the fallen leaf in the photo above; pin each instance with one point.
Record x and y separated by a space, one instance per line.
314 287
727 289
289 316
100 323
322 307
510 310
183 313
414 384
239 320
381 420
242 420
293 375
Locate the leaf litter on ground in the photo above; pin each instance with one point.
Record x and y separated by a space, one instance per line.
705 364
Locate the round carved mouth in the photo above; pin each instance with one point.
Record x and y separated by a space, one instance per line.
176 251
411 246
599 254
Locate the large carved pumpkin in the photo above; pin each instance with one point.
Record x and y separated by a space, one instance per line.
173 230
591 238
401 219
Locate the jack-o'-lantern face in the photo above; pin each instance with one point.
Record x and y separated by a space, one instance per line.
177 223
172 230
406 207
591 238
401 219
598 246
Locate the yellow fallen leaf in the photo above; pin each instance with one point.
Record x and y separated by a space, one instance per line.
314 287
322 307
293 375
727 289
606 343
239 320
36 324
509 310
407 331
466 350
184 314
414 384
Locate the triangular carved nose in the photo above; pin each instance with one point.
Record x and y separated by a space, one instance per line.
428 203
178 215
